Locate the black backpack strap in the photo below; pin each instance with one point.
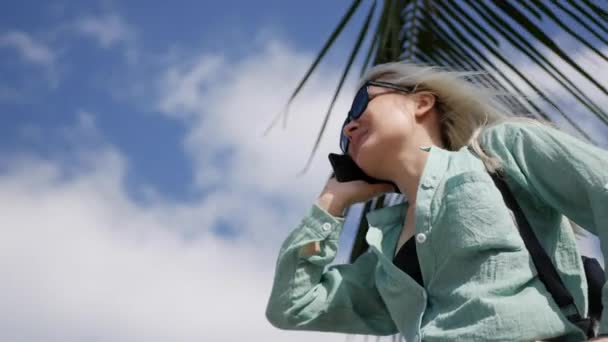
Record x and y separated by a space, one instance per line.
595 282
545 268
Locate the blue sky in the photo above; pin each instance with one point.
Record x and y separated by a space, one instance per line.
139 198
91 72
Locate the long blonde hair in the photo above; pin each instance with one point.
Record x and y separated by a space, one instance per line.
465 107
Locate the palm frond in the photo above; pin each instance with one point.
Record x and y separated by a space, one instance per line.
345 19
349 64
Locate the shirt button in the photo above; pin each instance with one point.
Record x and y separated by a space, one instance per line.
421 238
326 226
428 182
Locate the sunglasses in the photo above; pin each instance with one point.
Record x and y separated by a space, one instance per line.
360 103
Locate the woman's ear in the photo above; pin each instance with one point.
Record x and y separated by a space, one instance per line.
425 101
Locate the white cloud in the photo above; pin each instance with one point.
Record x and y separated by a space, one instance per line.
227 107
30 49
182 85
110 30
82 260
107 30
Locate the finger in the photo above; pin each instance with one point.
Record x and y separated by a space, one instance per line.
383 187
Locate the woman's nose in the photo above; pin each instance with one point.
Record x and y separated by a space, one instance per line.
350 128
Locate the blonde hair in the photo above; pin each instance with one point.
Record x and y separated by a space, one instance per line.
465 107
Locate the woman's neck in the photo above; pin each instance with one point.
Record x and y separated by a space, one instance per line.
407 172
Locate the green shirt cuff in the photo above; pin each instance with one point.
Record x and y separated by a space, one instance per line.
322 224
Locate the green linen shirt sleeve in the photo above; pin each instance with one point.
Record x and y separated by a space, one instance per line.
566 173
309 295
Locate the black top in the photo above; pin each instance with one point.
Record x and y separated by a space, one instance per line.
407 260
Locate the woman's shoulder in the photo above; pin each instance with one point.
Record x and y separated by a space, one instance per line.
507 130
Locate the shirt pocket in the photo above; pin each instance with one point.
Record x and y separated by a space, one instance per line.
473 217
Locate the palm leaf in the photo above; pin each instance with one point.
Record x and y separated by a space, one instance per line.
349 64
328 43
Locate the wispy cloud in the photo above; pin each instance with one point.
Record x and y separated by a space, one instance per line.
182 85
227 107
92 261
30 49
107 30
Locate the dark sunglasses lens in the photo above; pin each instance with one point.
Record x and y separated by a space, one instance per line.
357 108
359 104
344 144
343 137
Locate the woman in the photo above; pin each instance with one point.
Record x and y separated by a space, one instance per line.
435 136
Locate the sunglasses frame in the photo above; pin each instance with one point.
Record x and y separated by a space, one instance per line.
363 95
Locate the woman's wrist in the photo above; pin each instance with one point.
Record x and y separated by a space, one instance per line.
332 204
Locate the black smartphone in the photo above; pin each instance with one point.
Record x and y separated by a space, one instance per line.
346 170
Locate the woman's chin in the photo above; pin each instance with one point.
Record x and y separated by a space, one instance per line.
367 163
358 154
363 164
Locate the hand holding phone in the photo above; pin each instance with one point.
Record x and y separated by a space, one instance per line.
336 196
346 170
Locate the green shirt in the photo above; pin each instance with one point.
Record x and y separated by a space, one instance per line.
479 281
